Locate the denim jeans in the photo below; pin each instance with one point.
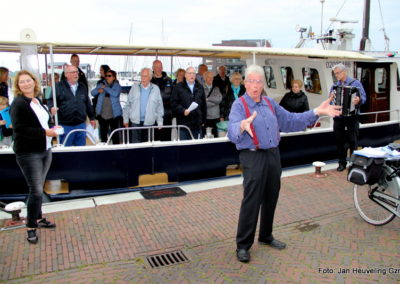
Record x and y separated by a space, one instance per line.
34 167
76 138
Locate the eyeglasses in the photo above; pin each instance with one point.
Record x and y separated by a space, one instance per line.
72 72
338 72
252 81
108 76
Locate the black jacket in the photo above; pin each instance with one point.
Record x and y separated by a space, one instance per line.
29 135
182 98
221 84
226 104
165 85
72 110
295 102
4 89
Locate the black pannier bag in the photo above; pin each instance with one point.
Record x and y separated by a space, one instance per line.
364 170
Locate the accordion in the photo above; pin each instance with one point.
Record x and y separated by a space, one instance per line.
343 96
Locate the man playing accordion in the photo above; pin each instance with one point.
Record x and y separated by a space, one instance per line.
350 94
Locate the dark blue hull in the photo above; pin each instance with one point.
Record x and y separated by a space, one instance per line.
121 168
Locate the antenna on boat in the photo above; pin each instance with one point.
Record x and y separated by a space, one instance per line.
322 13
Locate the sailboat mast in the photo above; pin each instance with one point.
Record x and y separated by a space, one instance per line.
365 32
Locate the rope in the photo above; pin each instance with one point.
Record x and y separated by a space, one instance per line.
383 28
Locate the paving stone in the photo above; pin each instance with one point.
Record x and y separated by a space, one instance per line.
109 243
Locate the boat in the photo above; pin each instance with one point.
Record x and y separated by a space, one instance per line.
103 168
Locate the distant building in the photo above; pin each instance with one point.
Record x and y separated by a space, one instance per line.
233 64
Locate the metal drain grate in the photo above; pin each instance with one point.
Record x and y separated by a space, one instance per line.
167 259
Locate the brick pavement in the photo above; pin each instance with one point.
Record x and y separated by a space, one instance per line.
109 244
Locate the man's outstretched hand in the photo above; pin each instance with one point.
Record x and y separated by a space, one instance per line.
245 124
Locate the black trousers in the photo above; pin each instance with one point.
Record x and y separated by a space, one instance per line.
109 125
346 134
164 134
213 124
261 182
34 167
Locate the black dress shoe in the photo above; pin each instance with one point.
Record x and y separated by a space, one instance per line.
341 168
274 243
243 255
44 223
32 237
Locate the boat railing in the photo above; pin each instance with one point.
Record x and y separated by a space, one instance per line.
377 113
78 130
151 129
318 122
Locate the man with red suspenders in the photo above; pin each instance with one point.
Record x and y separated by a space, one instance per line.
254 125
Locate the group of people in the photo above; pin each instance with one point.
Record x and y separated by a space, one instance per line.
255 121
197 101
152 102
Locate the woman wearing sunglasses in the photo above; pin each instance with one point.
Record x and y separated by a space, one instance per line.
108 108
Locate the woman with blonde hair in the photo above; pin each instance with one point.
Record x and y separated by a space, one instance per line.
235 90
295 100
31 122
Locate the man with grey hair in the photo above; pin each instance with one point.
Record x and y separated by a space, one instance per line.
81 75
345 128
73 106
257 138
144 107
183 96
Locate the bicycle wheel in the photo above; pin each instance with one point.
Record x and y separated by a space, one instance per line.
369 210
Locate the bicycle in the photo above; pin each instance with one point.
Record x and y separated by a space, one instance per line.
379 204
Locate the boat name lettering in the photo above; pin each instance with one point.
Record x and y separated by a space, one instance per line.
330 64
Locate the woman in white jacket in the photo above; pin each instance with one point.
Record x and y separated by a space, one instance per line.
144 107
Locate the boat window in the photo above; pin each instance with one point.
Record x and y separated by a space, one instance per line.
287 77
269 77
380 80
398 80
311 80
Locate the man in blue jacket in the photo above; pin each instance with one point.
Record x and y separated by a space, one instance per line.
73 106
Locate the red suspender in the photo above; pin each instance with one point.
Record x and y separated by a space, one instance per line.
247 110
269 104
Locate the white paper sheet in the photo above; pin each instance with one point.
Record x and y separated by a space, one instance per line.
193 106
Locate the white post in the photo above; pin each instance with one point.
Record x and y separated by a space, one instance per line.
53 88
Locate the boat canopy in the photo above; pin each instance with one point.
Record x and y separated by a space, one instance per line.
214 51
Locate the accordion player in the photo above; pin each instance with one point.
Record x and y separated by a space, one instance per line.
343 96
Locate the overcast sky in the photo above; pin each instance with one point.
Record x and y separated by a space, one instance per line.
190 23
